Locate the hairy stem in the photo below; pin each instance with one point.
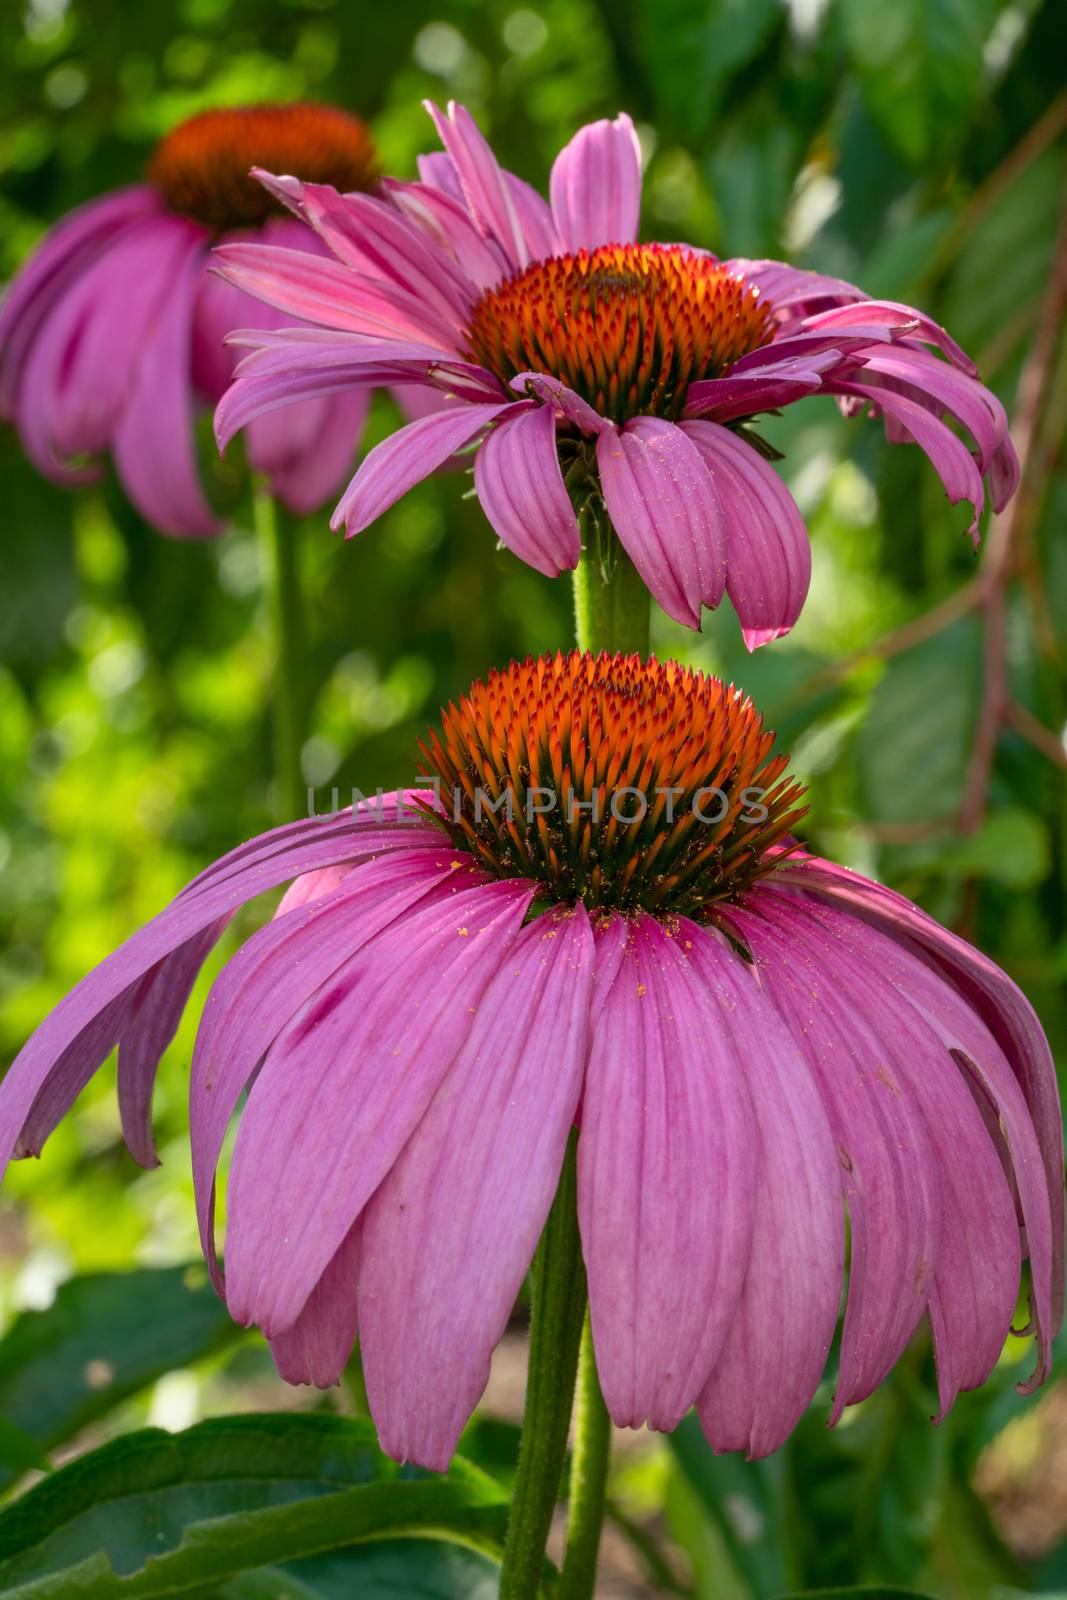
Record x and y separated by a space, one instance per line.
589 1476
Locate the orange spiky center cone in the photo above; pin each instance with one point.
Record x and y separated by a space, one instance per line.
623 783
202 167
626 326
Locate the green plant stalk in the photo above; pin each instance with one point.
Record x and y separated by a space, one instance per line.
277 534
612 606
558 1311
589 1476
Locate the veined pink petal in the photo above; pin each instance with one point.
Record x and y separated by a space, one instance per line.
952 461
797 347
449 1235
888 1169
270 977
553 393
535 218
764 388
371 236
446 219
488 195
792 291
405 458
976 1273
768 561
153 444
892 314
1000 1003
316 1347
779 1336
323 291
520 486
345 1085
596 186
662 504
666 1172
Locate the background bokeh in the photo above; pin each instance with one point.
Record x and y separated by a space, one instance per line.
917 148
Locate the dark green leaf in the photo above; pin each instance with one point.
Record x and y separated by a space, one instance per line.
385 1569
155 1514
692 51
745 1501
919 63
914 746
103 1337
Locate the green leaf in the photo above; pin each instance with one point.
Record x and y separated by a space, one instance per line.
915 743
103 1337
691 52
919 64
386 1569
745 1502
1011 847
154 1514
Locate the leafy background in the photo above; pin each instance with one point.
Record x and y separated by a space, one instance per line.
917 148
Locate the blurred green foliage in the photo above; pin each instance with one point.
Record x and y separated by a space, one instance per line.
917 148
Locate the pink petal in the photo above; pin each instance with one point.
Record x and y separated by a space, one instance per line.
791 291
780 1333
888 1170
596 185
345 1085
764 388
316 1348
666 1173
449 1235
519 483
951 459
154 448
59 262
768 563
999 1002
446 219
270 977
555 394
307 451
485 187
892 314
320 290
405 458
662 504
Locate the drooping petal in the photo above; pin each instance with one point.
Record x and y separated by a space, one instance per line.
59 261
666 1173
596 185
269 978
80 1033
316 1348
662 504
489 196
153 447
520 486
779 1336
768 560
952 461
976 1274
449 1235
763 388
345 1085
888 1169
553 393
307 450
405 458
998 1001
892 314
792 291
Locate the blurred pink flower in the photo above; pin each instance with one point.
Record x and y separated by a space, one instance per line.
587 366
752 1041
112 334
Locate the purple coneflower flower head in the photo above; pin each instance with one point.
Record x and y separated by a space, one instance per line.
595 917
590 369
112 335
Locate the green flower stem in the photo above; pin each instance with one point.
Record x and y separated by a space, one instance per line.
589 1476
559 1302
612 606
277 534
